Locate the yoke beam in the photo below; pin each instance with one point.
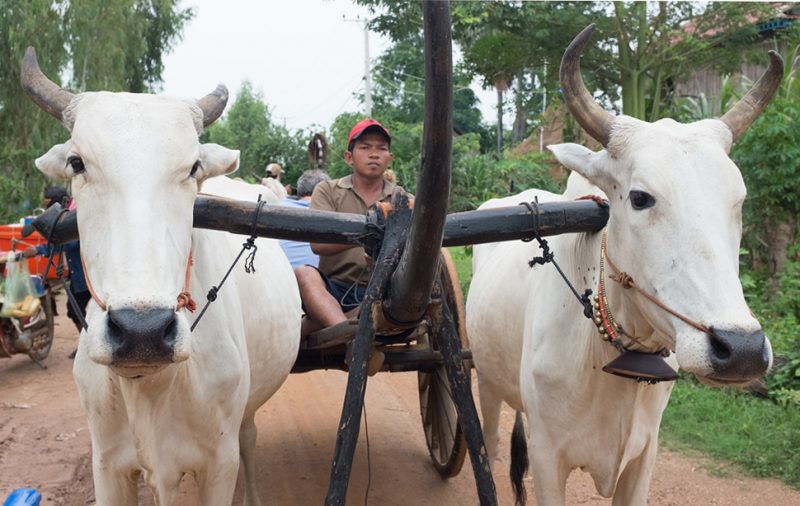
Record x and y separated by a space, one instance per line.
279 222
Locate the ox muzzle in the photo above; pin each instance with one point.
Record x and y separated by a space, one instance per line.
142 337
738 356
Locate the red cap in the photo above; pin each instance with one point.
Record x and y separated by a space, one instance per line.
364 126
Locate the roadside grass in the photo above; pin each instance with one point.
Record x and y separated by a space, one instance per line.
757 436
735 430
462 257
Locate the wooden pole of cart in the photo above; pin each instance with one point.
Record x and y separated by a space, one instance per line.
410 261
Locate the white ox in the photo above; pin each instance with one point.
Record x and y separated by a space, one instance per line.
674 227
161 400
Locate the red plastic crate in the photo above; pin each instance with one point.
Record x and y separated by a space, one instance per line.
37 264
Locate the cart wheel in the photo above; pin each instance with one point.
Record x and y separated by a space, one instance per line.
446 442
41 328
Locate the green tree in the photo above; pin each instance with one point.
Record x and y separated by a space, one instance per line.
399 91
26 131
769 157
640 48
112 44
518 45
105 57
661 43
248 127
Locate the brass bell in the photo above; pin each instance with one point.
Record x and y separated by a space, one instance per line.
649 367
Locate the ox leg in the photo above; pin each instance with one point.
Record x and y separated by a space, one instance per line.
217 482
491 404
634 482
112 486
549 474
166 487
247 453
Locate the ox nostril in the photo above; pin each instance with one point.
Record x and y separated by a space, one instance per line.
719 347
142 335
738 356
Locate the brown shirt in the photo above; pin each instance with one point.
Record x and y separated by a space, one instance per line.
349 266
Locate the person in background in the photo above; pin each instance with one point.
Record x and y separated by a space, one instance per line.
56 195
72 253
299 253
272 180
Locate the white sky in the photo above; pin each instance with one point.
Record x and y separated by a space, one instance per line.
301 54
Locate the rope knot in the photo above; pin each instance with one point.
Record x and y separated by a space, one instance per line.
185 300
623 278
212 294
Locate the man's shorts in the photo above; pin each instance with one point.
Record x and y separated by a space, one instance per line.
349 295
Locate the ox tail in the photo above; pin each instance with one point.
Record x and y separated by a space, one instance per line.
519 460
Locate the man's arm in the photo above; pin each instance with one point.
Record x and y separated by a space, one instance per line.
326 249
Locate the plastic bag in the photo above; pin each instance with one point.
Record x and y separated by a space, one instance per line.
19 295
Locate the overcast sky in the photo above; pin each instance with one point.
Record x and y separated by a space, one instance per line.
301 54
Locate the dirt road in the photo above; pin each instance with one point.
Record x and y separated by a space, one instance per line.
44 443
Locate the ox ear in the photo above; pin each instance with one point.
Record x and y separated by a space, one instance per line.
589 164
217 160
54 163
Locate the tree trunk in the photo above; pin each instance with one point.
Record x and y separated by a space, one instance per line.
780 235
519 130
499 121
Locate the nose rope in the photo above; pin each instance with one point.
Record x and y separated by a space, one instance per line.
626 281
185 299
89 285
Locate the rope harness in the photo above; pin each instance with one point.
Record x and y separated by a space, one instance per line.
184 298
548 257
599 311
249 244
609 329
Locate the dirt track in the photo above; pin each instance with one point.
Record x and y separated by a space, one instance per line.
44 443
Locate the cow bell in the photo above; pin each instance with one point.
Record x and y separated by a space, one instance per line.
646 367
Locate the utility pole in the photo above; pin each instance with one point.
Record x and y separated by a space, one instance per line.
367 74
544 107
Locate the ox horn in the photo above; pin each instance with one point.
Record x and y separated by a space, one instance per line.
593 118
213 104
746 111
45 93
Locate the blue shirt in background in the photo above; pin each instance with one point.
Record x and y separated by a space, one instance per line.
299 253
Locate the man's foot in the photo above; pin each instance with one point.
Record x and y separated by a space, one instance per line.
72 355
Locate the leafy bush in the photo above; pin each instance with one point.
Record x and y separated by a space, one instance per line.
479 178
779 313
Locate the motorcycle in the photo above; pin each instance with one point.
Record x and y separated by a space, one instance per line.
31 333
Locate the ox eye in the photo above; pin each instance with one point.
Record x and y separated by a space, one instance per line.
77 164
194 168
641 200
